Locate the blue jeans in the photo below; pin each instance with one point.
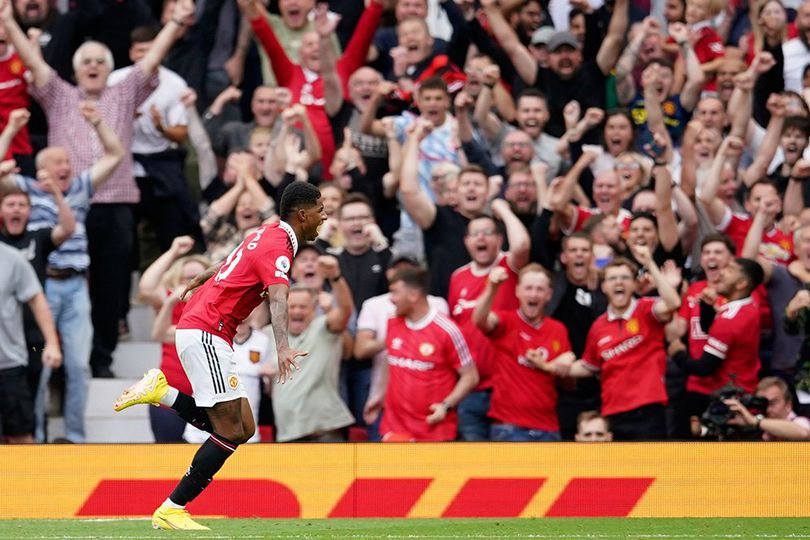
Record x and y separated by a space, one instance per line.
473 423
513 433
70 304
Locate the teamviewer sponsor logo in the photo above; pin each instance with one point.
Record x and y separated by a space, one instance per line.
410 363
622 347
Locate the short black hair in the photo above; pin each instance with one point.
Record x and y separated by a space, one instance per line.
296 196
753 273
433 83
649 216
416 278
799 123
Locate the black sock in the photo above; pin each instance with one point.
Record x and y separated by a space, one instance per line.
187 409
207 461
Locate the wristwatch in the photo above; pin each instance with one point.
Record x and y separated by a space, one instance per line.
760 418
447 406
335 279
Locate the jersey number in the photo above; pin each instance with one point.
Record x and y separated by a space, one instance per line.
229 264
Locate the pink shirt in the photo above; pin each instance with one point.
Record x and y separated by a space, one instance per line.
68 128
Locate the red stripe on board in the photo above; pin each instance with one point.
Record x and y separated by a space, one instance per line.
380 497
599 497
493 497
229 498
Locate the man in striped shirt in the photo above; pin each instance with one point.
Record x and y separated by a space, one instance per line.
66 273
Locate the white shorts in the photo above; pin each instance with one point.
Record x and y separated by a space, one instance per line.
208 361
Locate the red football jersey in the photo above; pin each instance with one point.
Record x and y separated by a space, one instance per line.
776 246
583 214
522 394
734 337
466 285
630 354
707 48
690 312
423 359
263 259
14 95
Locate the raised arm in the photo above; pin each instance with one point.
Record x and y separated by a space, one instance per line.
625 85
767 149
612 44
665 216
767 209
669 300
717 210
655 116
368 118
414 199
794 198
283 67
690 93
114 151
149 289
561 197
490 124
66 224
482 315
516 234
332 86
337 318
163 331
182 15
521 58
29 54
17 119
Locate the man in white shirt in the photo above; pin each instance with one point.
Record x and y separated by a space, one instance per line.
797 50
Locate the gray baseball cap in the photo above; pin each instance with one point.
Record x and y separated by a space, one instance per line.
563 38
542 35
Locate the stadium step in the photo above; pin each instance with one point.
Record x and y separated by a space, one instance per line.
133 358
104 425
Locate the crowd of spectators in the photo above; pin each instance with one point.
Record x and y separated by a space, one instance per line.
548 219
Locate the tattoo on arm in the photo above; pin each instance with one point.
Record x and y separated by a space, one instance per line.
278 318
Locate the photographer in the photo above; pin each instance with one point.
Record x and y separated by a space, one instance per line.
779 423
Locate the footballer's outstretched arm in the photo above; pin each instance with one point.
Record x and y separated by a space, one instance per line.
277 298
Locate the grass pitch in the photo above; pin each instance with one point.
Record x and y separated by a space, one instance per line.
635 528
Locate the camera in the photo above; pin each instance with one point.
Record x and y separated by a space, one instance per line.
717 414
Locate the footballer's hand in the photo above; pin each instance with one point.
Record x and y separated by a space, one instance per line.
439 413
287 363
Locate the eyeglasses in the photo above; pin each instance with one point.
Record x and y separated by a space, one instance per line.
100 61
476 234
520 185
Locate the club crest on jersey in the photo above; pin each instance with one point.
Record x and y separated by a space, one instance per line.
426 349
632 326
396 343
255 356
233 382
16 67
555 346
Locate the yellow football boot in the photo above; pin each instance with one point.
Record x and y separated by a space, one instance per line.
149 390
175 518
